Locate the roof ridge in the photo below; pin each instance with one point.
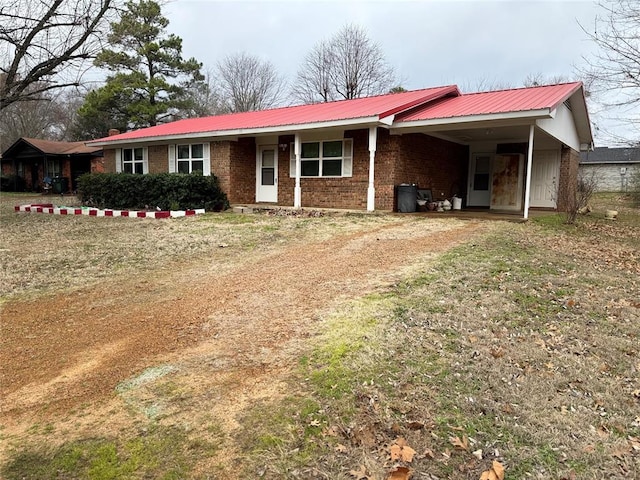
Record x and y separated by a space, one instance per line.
331 102
523 88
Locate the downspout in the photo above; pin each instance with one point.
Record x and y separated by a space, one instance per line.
527 186
297 191
371 190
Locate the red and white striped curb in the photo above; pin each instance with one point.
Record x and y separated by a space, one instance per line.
95 212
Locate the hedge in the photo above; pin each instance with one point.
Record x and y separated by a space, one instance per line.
166 191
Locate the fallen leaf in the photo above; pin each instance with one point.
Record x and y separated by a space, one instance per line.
360 474
496 472
477 454
395 451
331 431
461 444
400 473
428 453
497 352
401 451
415 425
341 448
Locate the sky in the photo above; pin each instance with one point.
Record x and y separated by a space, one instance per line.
428 43
477 44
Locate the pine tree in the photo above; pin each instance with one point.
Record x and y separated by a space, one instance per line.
150 80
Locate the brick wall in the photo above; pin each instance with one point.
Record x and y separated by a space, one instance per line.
242 160
427 161
220 164
569 162
109 160
158 158
413 158
97 165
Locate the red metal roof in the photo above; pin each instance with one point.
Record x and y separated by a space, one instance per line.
379 106
502 101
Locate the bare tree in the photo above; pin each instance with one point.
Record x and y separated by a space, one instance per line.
204 96
538 79
43 44
314 82
247 83
612 74
48 117
485 84
347 66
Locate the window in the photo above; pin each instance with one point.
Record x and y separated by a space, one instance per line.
330 158
54 168
133 160
190 158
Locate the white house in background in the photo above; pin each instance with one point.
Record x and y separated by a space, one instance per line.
611 167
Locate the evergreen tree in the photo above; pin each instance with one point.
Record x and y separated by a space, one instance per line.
150 82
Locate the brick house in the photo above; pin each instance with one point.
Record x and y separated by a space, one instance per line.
34 160
506 150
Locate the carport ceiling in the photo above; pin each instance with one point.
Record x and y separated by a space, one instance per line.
491 134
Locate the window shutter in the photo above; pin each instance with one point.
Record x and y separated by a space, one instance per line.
172 159
292 161
206 163
145 160
347 157
118 160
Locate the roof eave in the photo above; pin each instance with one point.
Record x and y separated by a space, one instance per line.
467 119
280 129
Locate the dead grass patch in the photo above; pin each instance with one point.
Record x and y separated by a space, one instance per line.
521 347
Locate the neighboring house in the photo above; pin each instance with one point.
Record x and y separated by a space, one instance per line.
612 168
352 153
36 160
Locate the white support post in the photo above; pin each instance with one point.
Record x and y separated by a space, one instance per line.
527 186
297 191
371 190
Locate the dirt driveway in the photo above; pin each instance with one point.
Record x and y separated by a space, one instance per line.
229 335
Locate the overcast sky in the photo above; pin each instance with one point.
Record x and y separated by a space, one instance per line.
428 43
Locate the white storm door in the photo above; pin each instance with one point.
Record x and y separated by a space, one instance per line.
545 172
267 174
479 180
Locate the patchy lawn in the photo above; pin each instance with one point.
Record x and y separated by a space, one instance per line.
380 345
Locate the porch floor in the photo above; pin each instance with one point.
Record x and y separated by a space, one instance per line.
484 214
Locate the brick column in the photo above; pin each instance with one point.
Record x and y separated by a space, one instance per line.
568 181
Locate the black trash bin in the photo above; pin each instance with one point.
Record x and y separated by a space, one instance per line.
407 196
60 184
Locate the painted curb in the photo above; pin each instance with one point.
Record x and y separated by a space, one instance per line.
94 212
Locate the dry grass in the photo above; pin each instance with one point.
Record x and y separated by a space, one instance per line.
524 343
520 346
42 253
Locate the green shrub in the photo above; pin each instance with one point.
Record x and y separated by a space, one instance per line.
167 191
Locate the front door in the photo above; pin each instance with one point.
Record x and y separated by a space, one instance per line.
545 171
267 174
506 182
479 180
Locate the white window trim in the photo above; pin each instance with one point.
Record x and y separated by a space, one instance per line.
206 157
347 159
120 159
